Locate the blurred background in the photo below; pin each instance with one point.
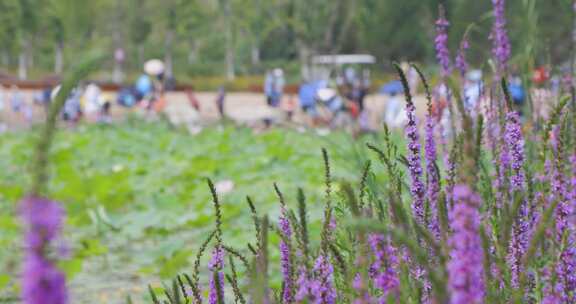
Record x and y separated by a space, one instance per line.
195 88
208 42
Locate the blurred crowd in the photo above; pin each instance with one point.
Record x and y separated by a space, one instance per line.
340 100
88 101
335 101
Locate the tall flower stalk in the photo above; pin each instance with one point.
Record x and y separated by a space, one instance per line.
441 43
565 226
318 287
417 188
384 270
501 49
443 58
551 295
465 269
322 287
285 230
514 142
216 293
430 156
460 61
216 264
42 281
360 286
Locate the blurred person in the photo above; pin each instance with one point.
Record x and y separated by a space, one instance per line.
555 84
517 93
364 85
347 83
307 100
220 101
20 108
2 97
142 93
2 107
349 75
353 108
289 106
194 103
274 87
16 99
337 115
144 87
441 96
540 76
104 113
541 95
351 89
364 122
159 103
128 97
268 85
72 110
42 98
566 83
92 101
3 126
441 110
395 113
472 90
155 100
411 76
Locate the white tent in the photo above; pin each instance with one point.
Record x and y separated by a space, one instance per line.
323 64
344 59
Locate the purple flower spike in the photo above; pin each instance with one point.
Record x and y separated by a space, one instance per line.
286 257
44 220
414 162
322 288
460 61
216 265
465 269
319 288
519 243
383 271
503 165
360 287
303 284
441 43
515 142
573 181
518 246
566 271
42 281
566 267
550 291
499 36
432 182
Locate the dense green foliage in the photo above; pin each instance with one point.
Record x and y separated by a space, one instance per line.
136 196
228 37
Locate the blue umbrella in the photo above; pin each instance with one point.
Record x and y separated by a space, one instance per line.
392 87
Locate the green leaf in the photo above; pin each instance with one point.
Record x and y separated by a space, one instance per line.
71 267
4 280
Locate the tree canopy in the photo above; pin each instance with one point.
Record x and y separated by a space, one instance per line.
218 37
